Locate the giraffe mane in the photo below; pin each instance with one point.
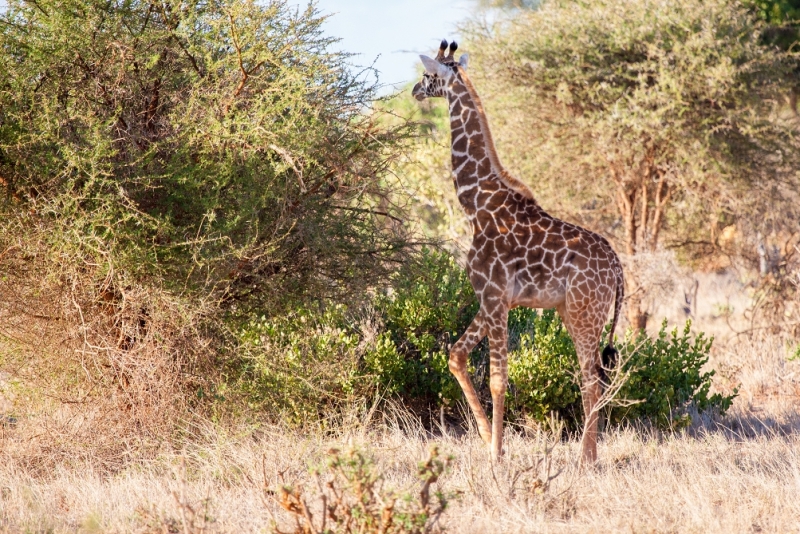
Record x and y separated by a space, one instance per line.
505 177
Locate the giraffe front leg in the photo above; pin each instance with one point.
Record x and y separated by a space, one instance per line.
498 381
458 366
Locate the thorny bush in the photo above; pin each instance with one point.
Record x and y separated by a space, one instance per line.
168 172
350 497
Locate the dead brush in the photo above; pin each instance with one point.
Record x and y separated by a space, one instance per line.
193 518
526 480
105 368
351 498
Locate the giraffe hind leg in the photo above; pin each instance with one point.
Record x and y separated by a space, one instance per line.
586 338
458 366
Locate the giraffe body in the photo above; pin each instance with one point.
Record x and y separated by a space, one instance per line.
520 256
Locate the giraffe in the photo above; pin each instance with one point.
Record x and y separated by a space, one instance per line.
520 256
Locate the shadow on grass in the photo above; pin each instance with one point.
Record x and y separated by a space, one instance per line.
749 425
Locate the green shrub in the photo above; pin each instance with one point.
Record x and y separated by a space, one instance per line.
542 367
666 376
298 366
301 365
169 172
431 303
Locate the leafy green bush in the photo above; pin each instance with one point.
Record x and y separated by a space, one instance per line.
666 376
303 364
542 367
430 304
306 362
298 366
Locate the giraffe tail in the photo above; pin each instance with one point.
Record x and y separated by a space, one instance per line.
610 354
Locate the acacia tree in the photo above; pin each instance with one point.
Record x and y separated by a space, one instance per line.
220 145
169 171
656 117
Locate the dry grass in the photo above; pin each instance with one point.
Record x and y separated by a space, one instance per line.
715 481
95 367
738 474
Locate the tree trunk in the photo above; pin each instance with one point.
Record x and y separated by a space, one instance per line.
642 197
636 316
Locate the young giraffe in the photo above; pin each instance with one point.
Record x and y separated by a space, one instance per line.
520 256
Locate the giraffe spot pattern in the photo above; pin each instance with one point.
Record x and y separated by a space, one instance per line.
520 256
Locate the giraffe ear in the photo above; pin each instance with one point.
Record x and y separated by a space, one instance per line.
434 67
463 60
431 65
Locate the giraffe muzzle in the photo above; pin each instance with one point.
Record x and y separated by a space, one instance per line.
418 92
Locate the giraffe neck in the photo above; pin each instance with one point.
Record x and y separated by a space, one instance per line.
472 168
476 166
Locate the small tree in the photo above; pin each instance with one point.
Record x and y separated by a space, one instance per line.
169 172
667 111
221 145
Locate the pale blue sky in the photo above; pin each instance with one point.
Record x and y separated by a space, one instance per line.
394 31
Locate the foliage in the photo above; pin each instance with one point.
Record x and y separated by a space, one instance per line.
430 305
303 365
666 376
188 188
542 369
651 120
776 11
679 92
170 173
220 146
297 367
353 499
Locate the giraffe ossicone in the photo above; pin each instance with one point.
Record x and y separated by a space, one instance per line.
520 256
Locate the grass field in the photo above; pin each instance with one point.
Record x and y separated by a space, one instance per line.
744 480
740 473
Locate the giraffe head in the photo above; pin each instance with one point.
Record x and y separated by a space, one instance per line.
440 73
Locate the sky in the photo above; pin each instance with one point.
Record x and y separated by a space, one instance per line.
393 31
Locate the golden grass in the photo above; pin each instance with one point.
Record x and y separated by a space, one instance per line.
743 479
740 473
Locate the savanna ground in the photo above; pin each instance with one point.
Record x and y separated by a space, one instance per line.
737 473
229 272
